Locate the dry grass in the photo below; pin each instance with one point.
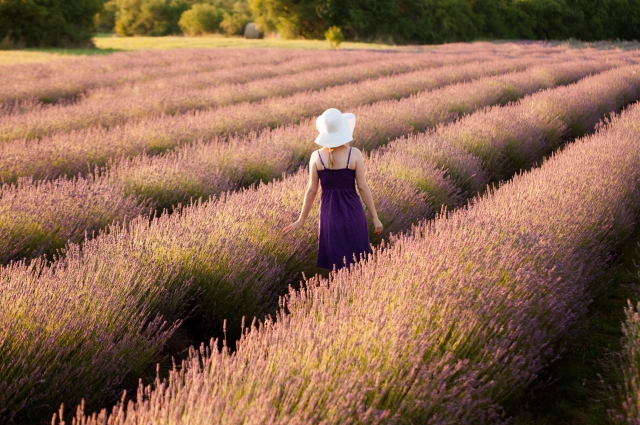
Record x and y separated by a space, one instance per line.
107 44
218 41
27 56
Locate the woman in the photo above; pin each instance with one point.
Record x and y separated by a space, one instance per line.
343 228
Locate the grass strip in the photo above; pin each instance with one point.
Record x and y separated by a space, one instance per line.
628 394
584 386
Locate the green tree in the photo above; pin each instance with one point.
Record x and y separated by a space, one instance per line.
200 19
594 22
149 17
235 19
454 20
106 20
496 19
291 18
48 23
399 21
625 19
546 19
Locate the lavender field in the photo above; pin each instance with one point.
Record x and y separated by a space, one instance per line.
143 197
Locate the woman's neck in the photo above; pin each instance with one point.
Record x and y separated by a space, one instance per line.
341 147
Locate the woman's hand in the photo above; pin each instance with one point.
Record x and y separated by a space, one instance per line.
293 227
378 226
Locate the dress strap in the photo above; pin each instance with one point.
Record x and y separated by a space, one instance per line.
349 158
321 161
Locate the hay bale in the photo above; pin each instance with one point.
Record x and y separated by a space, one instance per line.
252 31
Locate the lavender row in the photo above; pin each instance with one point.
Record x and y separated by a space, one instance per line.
49 82
198 76
250 73
66 79
70 78
206 170
38 218
445 326
106 108
223 253
70 153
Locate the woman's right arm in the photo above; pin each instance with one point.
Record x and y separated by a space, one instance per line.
309 196
365 192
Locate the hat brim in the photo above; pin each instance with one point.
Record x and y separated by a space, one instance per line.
339 138
333 140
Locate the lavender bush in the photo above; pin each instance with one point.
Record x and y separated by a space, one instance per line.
73 328
41 217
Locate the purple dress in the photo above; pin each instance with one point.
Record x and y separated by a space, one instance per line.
342 230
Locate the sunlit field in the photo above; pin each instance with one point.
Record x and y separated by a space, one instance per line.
28 56
217 41
105 44
144 276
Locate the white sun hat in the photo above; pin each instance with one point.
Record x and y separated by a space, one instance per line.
335 128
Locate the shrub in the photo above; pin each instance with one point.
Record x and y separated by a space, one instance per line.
48 23
235 20
106 20
334 36
149 17
200 19
292 19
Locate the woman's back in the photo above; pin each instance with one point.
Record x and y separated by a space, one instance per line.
343 178
340 155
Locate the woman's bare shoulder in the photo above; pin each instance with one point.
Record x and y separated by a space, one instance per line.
314 160
356 152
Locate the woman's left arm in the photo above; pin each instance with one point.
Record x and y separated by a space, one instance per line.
309 196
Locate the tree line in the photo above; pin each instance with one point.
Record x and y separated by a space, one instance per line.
439 21
74 22
166 17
